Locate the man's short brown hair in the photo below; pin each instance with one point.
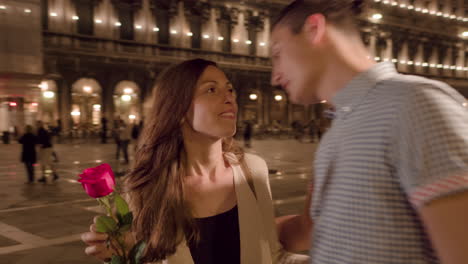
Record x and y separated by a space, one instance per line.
342 13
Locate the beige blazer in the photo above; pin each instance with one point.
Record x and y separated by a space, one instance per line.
258 238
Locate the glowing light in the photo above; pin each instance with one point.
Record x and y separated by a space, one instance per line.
189 34
253 97
126 98
97 107
49 94
377 16
75 113
98 21
220 38
248 42
278 98
155 29
53 14
128 91
27 10
205 36
262 44
118 24
132 117
138 27
75 18
87 89
44 86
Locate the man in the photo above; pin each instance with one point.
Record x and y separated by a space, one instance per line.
45 152
391 174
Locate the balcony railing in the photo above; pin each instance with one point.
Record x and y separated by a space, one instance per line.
130 50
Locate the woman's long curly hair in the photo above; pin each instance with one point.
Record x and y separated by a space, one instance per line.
154 186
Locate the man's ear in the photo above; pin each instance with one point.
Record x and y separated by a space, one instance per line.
314 28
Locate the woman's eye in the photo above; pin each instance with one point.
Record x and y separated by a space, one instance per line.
211 90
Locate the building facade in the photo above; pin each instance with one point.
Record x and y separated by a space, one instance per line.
79 61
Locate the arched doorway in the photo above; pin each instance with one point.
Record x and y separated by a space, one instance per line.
127 102
86 105
47 107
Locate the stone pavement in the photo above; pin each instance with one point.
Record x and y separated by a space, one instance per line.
41 223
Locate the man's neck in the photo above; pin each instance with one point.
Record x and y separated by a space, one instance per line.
348 61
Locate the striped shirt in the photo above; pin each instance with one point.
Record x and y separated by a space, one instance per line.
397 143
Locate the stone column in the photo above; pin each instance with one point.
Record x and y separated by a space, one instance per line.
388 52
64 103
403 57
461 60
419 59
434 61
266 97
447 7
373 44
448 62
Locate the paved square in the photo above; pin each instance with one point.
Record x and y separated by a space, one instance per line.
41 223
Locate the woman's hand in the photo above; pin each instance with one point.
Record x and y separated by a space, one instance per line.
96 242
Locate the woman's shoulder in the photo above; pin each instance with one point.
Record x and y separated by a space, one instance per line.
256 165
254 160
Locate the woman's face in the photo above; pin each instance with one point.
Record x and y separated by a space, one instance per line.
214 109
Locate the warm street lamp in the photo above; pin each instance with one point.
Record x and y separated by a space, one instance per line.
87 89
278 98
49 94
126 98
377 16
44 86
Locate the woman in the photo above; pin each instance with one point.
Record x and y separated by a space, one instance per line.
28 155
210 202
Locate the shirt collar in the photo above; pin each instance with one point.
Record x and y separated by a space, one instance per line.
354 92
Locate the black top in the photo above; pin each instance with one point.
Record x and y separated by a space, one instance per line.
29 142
219 239
44 137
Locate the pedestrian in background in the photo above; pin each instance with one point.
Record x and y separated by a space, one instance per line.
45 152
125 135
28 154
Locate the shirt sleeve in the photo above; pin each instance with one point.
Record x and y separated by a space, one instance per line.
432 143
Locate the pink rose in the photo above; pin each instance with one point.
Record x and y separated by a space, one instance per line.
98 181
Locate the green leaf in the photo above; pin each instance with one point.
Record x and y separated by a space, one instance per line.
121 204
106 224
105 201
125 228
117 260
127 219
137 252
